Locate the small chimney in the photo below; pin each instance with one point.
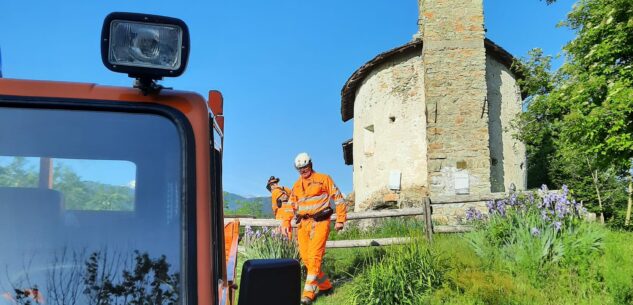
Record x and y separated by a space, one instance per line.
450 19
454 72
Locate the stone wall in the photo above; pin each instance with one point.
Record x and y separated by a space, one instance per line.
389 133
455 93
507 154
440 118
451 210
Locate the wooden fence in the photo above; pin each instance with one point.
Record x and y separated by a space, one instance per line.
429 228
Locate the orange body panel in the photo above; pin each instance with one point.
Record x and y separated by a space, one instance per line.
231 237
216 103
192 105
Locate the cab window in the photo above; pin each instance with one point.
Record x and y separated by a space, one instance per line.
91 208
87 185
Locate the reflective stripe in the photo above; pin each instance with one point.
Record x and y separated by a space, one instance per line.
320 197
310 288
340 201
311 278
303 208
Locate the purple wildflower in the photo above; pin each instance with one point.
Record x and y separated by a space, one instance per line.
557 225
501 208
560 210
548 200
544 215
491 206
473 214
513 199
536 232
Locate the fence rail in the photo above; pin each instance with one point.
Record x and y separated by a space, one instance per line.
254 222
424 211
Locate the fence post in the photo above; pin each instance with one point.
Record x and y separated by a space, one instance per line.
428 224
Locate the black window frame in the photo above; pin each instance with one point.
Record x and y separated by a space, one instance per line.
216 209
188 174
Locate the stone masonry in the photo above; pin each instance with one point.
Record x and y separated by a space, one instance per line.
432 117
455 92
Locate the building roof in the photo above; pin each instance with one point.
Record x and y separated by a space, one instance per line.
348 93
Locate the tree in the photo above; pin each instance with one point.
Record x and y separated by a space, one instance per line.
252 208
147 281
78 194
581 116
18 173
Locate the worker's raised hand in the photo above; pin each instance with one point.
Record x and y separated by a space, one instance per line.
339 226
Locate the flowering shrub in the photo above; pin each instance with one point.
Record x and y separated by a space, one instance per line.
268 243
535 230
554 210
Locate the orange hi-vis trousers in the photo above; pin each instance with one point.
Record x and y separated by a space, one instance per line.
312 236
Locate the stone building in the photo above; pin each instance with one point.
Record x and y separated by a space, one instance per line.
431 117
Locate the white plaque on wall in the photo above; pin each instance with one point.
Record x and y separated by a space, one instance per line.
462 183
394 180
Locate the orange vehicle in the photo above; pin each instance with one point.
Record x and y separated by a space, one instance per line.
113 195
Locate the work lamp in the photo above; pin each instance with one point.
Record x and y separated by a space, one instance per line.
146 47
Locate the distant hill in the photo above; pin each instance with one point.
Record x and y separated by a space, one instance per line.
254 206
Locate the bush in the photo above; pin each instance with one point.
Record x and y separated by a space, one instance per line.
534 232
268 243
401 277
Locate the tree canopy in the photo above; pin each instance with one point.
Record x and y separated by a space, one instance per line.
579 119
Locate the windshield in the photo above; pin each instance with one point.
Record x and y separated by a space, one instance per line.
90 208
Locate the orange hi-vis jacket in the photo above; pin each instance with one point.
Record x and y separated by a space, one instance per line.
286 211
314 194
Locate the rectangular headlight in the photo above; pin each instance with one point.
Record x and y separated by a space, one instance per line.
145 45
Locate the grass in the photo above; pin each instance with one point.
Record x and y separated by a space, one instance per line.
343 265
341 295
468 279
388 227
456 270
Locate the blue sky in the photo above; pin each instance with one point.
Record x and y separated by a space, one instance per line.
279 63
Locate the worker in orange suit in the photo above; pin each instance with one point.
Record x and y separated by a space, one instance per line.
282 209
312 194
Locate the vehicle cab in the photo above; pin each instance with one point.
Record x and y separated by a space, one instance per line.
113 195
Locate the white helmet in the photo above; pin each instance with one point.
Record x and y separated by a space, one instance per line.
302 160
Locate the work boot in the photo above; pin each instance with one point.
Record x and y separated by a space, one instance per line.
306 301
326 292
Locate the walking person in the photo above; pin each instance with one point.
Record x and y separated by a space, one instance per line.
282 209
311 195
